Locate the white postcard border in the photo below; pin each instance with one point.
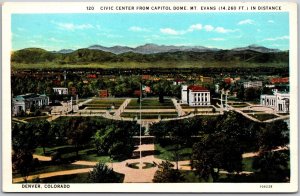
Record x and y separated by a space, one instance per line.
65 7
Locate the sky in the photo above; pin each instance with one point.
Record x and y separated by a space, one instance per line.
214 30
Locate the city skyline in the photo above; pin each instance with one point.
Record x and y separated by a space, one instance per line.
213 30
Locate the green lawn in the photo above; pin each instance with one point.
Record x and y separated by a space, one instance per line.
68 153
247 164
185 106
97 108
263 117
151 104
45 167
150 115
168 152
106 101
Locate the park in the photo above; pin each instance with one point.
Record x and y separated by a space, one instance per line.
142 140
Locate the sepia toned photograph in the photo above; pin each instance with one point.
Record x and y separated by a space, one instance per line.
181 94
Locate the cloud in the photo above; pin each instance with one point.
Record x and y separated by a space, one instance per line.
247 21
192 28
217 39
72 26
277 38
195 27
52 39
223 30
170 31
271 21
138 29
208 28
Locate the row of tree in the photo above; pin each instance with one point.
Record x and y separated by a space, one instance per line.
120 87
219 142
113 138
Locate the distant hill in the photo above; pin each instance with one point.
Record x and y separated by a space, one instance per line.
177 57
150 49
256 48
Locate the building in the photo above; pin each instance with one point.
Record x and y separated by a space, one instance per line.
279 80
253 84
279 101
228 80
195 95
91 76
60 90
206 79
25 102
146 77
178 82
103 93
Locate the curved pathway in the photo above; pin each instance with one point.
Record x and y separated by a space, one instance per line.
131 175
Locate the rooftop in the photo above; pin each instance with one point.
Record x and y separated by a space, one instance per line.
195 88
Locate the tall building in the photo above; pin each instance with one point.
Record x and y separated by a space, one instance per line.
24 102
279 101
195 95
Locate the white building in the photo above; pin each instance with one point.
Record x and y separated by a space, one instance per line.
279 101
25 102
253 84
60 90
195 95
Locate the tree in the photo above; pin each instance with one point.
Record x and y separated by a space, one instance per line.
102 174
273 135
166 173
23 144
215 152
252 94
43 132
272 166
77 134
114 141
161 88
241 92
22 161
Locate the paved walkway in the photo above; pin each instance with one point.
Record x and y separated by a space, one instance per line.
85 102
122 107
178 107
131 175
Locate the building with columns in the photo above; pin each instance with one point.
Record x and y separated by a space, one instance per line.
25 102
279 101
60 90
195 95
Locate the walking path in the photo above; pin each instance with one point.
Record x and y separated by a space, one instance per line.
278 118
178 107
131 175
85 102
122 107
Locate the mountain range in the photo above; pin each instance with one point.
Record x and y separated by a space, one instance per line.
154 48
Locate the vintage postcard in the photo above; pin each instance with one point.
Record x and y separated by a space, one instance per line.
150 97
